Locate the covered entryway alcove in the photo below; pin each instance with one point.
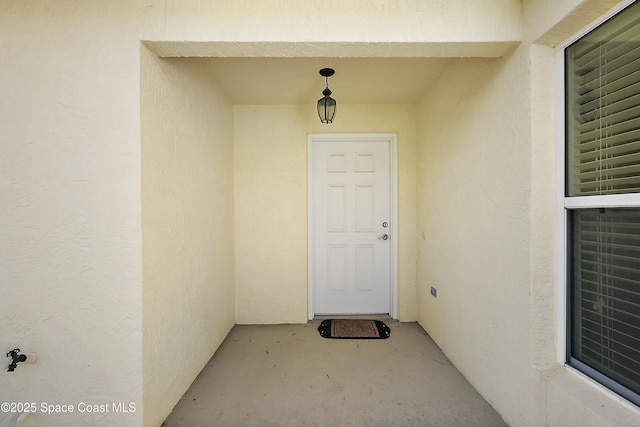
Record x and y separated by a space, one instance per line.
224 180
150 208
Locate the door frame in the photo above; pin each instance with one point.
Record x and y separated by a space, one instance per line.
393 193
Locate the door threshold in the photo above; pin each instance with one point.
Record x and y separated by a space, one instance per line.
319 318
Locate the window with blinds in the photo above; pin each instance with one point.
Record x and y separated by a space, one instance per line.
605 303
603 114
602 152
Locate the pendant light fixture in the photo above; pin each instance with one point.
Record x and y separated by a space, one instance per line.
326 105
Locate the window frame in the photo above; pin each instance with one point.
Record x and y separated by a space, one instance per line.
565 203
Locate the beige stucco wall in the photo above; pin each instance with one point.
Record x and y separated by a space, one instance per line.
487 137
551 23
74 259
187 226
271 204
359 21
71 172
474 200
70 241
569 398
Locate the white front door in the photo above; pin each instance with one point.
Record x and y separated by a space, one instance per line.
351 233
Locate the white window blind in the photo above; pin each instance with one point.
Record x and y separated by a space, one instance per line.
603 114
606 296
602 125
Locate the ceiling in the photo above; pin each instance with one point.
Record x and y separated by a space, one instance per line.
297 80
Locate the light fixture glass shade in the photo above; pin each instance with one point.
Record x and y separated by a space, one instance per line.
326 107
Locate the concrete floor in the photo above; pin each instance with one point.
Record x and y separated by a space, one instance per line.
287 375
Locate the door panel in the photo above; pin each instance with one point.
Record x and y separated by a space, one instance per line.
365 258
337 267
351 201
365 209
336 208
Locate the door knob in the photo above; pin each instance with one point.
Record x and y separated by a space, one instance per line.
384 237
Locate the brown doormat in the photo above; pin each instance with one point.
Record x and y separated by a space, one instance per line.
354 329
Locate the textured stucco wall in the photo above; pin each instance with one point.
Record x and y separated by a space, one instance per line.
71 208
569 399
551 22
187 227
70 245
360 20
474 199
486 200
271 204
71 173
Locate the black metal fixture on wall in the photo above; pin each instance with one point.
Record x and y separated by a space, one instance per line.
326 105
